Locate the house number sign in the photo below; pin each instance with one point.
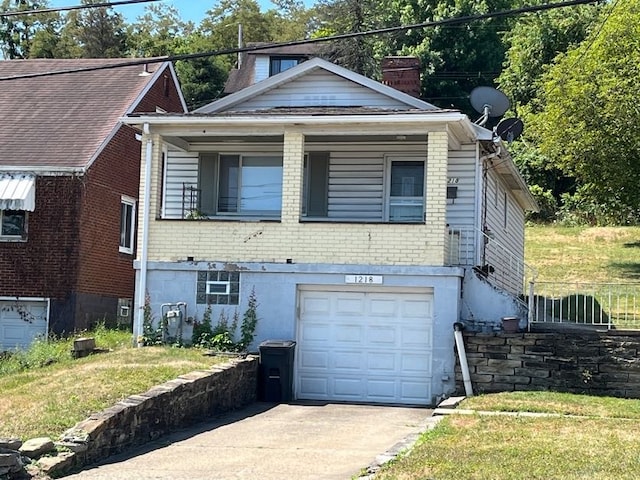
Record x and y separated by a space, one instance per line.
364 279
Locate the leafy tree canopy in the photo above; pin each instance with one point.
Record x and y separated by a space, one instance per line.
588 124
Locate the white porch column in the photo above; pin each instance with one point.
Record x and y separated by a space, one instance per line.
436 189
292 169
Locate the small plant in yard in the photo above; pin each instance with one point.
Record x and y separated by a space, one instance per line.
249 321
151 334
221 337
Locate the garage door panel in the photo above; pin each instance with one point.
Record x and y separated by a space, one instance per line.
416 363
316 305
382 336
383 362
415 390
314 359
416 309
317 387
315 332
348 362
348 388
21 325
369 347
413 337
382 307
381 390
351 334
350 305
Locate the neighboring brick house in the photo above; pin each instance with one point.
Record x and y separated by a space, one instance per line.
69 175
366 220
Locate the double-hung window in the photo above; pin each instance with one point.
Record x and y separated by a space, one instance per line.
406 191
13 224
249 185
127 224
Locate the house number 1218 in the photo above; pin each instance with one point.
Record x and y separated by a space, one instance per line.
364 279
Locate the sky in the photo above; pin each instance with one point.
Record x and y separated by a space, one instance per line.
190 10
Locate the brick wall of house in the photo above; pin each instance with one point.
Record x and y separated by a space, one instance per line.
46 264
106 274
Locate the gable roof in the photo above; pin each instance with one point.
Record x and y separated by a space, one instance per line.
307 68
61 122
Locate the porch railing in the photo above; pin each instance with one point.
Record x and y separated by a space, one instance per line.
494 260
606 305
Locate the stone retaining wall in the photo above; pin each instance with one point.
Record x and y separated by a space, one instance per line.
596 363
139 419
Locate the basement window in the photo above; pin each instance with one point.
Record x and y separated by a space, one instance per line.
215 287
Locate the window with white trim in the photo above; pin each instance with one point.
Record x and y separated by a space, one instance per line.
13 225
216 287
127 224
405 199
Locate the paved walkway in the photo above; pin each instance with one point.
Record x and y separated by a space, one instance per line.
268 442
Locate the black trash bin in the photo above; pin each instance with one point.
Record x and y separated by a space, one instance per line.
275 382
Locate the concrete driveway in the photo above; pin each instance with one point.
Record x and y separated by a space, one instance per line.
265 441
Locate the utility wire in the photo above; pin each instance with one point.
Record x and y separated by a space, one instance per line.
74 7
344 36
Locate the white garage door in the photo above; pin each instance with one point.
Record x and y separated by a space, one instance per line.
21 322
369 346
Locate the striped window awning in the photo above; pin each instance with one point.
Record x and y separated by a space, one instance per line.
17 191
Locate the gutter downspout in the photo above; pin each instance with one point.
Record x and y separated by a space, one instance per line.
462 355
146 210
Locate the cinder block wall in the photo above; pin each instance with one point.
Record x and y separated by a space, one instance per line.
575 362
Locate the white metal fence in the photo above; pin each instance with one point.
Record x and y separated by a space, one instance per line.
608 305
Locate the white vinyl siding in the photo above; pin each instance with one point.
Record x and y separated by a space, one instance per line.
461 210
261 68
462 165
509 238
310 92
181 171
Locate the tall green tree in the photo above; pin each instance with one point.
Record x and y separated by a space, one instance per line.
17 32
94 33
362 54
158 31
588 124
534 42
457 58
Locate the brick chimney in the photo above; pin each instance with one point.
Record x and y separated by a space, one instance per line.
402 73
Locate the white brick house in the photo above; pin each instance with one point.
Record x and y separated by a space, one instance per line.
356 212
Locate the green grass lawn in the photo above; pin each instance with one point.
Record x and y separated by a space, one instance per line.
45 391
596 438
583 254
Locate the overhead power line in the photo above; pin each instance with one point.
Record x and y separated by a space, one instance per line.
344 36
116 3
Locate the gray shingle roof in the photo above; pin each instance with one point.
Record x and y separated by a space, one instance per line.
61 120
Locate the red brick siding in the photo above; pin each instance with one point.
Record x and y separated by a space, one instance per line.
104 270
163 94
46 264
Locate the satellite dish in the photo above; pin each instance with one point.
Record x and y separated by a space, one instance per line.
509 129
488 101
